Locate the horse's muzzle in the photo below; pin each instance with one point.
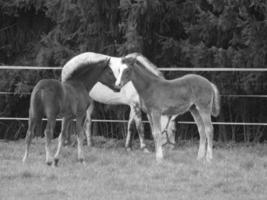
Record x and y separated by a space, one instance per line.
118 85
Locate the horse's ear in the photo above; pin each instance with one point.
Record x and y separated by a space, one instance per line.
133 60
108 61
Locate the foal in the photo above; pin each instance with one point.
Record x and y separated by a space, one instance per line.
163 97
69 97
50 98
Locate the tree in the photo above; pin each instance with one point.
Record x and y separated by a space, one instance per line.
171 33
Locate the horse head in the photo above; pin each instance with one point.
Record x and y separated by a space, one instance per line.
107 77
125 69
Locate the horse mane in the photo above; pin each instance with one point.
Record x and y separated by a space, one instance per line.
81 63
147 64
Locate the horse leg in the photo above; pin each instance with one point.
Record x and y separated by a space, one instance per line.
172 131
88 125
206 117
168 126
201 131
140 128
80 136
128 142
156 131
33 123
61 138
49 130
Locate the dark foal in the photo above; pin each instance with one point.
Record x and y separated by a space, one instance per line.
69 97
49 99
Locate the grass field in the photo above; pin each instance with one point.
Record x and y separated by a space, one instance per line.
237 172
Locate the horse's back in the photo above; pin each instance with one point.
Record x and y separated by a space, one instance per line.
196 78
204 91
196 81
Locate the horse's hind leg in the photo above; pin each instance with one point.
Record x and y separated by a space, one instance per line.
154 119
88 125
62 136
80 136
33 125
49 130
206 117
201 130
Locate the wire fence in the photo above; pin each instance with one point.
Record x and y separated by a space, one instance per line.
172 69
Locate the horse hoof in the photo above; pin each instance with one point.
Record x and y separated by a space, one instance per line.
49 163
200 158
128 149
159 160
56 160
89 144
24 160
208 160
81 160
145 150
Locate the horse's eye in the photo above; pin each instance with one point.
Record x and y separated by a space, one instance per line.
127 72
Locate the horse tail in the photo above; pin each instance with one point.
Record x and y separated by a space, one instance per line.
36 111
35 119
216 101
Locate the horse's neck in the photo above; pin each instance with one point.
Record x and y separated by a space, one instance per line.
143 79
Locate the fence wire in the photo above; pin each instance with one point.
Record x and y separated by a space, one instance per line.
172 69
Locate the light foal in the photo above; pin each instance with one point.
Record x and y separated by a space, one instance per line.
163 97
126 96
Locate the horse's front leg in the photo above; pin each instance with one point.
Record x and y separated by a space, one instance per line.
128 141
156 131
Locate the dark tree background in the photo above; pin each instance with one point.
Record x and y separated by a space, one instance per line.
171 33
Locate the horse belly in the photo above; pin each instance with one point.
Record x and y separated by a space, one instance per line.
103 94
176 109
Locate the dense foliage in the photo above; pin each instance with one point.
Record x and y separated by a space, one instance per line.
171 33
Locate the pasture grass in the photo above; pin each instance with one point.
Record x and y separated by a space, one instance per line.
237 172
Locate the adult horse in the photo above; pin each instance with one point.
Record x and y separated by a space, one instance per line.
69 97
191 92
126 96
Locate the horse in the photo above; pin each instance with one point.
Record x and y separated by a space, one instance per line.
69 97
50 98
171 98
105 92
127 95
